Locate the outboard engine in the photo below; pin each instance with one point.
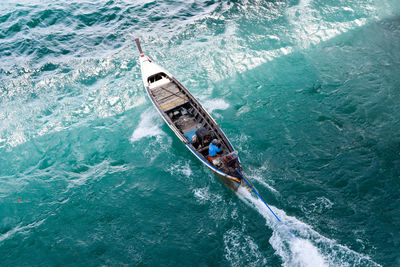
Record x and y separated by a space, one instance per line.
230 161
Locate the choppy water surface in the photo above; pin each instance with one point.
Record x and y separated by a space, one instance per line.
308 91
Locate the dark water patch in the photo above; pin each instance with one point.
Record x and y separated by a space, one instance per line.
47 17
49 67
5 17
89 19
13 22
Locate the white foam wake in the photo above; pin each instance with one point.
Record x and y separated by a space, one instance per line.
307 248
263 183
20 229
311 26
148 126
215 104
149 132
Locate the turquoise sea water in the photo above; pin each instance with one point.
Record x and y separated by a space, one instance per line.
308 91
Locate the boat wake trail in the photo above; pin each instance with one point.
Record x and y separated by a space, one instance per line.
215 104
307 247
149 136
149 126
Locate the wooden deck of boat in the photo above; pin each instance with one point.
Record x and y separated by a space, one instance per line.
184 114
168 96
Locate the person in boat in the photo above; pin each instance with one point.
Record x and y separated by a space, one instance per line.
214 149
203 138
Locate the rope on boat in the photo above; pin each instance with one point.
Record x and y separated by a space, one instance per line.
165 89
255 191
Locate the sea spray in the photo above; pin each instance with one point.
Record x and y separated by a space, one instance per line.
215 104
149 125
307 247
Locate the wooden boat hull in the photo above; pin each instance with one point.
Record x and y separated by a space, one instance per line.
167 94
234 186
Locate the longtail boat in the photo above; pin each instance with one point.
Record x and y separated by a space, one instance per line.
190 122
